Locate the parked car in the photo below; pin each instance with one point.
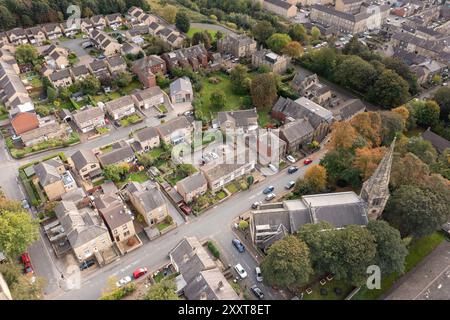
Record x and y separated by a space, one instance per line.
289 185
238 245
160 116
123 281
307 161
26 261
268 190
139 272
270 196
292 169
258 274
241 271
273 168
291 159
189 113
256 204
257 292
86 264
25 204
187 211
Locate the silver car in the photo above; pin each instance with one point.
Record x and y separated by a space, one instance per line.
258 274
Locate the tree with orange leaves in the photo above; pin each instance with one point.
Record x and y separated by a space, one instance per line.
368 125
367 159
343 135
316 177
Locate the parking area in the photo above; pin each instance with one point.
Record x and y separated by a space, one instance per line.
74 45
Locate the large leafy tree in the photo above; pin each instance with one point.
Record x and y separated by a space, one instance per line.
442 97
287 263
368 125
408 170
343 135
182 21
169 13
425 112
164 290
17 231
355 73
422 149
278 41
367 160
240 80
293 49
392 123
316 177
262 31
322 61
298 33
389 90
338 162
217 100
26 53
415 212
264 90
19 284
391 250
402 69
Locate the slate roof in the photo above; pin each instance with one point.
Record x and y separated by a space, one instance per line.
146 134
438 142
280 3
169 127
80 70
83 157
350 108
61 74
192 182
116 155
210 285
181 84
240 118
87 114
46 171
116 61
297 129
119 103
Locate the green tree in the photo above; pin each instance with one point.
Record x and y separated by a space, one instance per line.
392 123
17 231
243 225
278 41
19 284
442 97
52 94
426 112
262 31
355 73
169 13
315 33
322 61
391 250
287 263
298 33
26 53
408 170
415 212
422 149
202 37
238 78
217 100
293 49
116 173
122 79
164 290
264 90
389 90
402 69
182 21
90 85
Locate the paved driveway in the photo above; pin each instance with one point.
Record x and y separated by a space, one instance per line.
75 46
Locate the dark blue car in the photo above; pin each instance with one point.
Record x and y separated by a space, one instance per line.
268 190
292 169
238 245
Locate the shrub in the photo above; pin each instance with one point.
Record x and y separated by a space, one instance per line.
169 219
213 249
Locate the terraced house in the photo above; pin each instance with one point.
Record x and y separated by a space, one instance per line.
114 20
36 36
17 36
52 30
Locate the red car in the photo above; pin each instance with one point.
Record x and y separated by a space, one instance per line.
25 258
139 272
307 161
185 209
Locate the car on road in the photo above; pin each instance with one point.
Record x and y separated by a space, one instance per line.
290 158
292 169
241 271
307 161
86 264
289 185
238 245
123 281
25 204
273 168
26 261
186 210
256 204
139 272
257 292
270 196
160 116
189 113
258 274
268 190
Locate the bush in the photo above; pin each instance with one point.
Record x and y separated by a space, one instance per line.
169 219
243 185
213 249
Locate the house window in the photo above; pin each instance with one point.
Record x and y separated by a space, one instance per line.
126 234
377 201
125 227
93 166
115 231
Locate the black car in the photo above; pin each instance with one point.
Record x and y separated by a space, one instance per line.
86 264
257 292
292 169
160 116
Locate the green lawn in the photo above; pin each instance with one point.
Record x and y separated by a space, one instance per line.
161 226
132 86
418 249
195 30
132 119
232 187
329 286
140 176
203 105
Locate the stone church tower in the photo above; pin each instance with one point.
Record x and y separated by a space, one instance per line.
375 191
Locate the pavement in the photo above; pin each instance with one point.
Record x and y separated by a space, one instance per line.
429 280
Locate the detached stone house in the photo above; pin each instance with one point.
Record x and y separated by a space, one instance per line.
116 64
85 230
52 30
181 91
176 130
146 139
192 187
99 69
238 121
121 153
147 68
148 200
44 133
53 178
120 108
85 164
80 72
89 119
61 78
86 25
36 36
236 44
148 98
276 63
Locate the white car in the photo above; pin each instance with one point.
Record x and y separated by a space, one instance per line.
258 274
273 168
270 196
291 159
240 270
123 281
